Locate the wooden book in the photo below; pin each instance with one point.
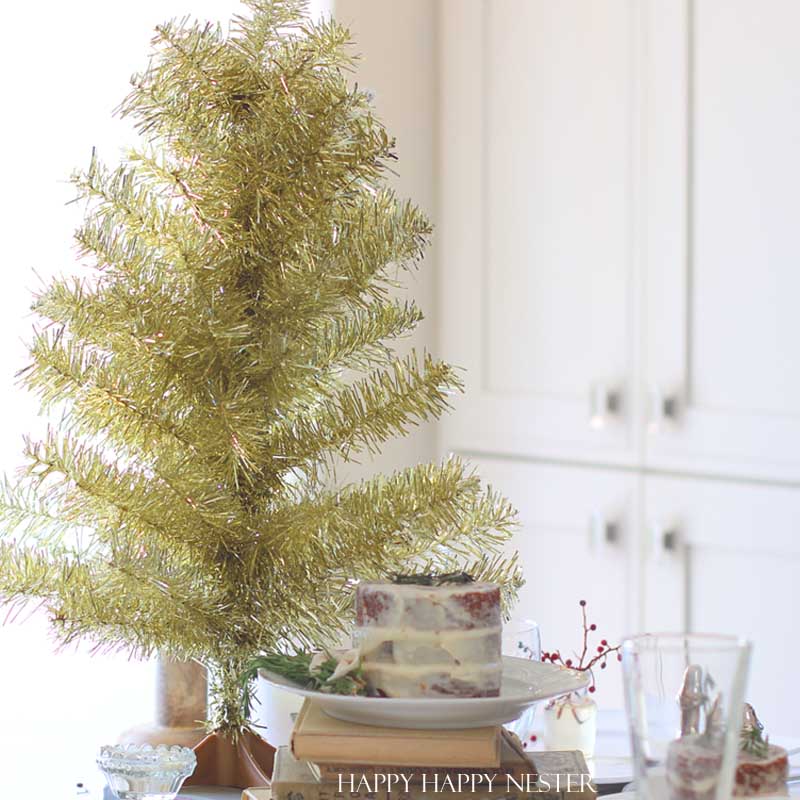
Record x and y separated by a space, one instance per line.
513 761
322 739
295 780
257 794
563 774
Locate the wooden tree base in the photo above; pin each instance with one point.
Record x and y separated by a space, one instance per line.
221 762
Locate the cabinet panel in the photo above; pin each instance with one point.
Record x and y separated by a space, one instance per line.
558 184
535 225
722 253
568 515
733 569
746 123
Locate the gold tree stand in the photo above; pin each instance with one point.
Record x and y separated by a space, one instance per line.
221 762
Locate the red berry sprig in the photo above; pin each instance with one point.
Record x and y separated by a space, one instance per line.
602 652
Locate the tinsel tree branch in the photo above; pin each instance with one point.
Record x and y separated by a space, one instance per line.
231 340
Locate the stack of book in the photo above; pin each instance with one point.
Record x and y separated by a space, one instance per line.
334 760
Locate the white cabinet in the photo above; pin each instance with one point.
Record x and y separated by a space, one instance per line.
577 542
722 254
535 226
617 232
618 245
731 566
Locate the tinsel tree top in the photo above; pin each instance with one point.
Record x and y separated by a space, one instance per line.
229 340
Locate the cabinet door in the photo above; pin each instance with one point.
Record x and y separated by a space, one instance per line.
575 543
534 226
730 565
722 83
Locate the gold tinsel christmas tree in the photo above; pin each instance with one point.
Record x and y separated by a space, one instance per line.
229 342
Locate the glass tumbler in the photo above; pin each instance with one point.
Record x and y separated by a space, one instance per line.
684 695
522 639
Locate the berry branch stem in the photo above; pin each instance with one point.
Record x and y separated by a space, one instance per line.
585 637
600 657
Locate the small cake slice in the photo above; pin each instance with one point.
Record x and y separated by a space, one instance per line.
761 768
762 775
692 768
430 640
694 762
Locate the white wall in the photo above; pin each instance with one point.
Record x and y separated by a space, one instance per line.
397 44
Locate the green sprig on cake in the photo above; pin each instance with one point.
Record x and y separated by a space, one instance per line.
329 671
230 340
753 742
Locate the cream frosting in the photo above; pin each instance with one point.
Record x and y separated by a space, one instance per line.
430 641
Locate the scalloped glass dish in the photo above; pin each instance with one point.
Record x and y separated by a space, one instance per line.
143 772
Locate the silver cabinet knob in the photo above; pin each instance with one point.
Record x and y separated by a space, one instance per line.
665 540
603 532
669 541
663 408
605 403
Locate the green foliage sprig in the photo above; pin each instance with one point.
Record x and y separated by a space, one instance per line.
239 265
296 668
428 579
754 742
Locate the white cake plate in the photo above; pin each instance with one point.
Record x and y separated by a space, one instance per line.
525 682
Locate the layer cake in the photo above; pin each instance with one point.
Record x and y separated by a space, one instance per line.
430 641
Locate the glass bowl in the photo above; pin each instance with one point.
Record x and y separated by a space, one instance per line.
144 772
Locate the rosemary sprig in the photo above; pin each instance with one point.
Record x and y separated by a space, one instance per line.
431 579
752 741
296 669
